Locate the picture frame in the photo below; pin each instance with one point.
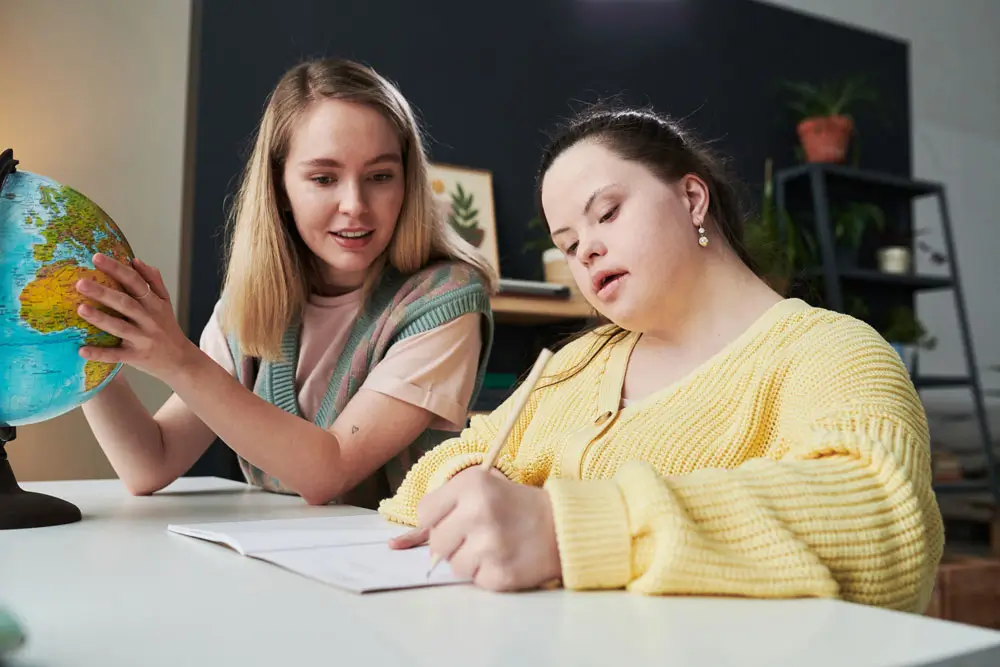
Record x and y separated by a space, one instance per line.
465 195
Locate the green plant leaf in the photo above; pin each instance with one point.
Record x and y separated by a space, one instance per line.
902 326
830 98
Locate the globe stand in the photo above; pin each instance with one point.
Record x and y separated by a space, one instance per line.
8 165
27 509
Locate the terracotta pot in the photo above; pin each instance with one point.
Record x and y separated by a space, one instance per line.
825 138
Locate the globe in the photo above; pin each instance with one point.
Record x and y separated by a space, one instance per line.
49 234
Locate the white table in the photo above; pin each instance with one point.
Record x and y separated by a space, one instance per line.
117 589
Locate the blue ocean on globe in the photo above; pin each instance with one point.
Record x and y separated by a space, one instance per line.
48 236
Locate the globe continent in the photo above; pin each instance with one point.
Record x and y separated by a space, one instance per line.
48 236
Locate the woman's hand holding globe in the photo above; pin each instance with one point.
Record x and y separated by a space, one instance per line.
152 340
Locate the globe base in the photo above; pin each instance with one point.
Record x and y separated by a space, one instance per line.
27 509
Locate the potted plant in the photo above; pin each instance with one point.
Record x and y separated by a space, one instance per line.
825 124
555 268
895 256
850 223
906 335
777 247
540 241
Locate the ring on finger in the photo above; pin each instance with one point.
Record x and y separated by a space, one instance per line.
149 290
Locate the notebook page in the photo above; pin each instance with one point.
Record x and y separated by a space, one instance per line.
365 568
253 538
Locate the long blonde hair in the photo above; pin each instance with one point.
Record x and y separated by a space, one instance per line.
270 271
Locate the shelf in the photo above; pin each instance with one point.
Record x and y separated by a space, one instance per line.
844 175
905 281
510 309
941 381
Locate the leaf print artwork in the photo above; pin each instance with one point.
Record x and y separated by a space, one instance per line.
464 196
464 216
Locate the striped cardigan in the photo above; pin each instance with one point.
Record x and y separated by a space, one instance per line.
400 306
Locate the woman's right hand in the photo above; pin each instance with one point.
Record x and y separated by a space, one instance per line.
419 536
143 319
414 538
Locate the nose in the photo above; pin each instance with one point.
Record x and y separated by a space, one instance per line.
352 198
590 248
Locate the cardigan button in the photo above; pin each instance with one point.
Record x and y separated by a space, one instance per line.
603 418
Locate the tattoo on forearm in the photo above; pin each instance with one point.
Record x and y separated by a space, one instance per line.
354 429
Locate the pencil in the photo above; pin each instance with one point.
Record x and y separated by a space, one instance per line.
493 453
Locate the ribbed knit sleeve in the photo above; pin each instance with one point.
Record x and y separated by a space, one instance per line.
840 505
455 455
468 449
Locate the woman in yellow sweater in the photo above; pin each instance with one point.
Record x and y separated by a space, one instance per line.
714 439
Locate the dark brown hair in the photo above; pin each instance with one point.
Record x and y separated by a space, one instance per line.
670 152
663 146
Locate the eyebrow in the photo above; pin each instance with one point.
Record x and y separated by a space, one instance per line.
329 162
586 207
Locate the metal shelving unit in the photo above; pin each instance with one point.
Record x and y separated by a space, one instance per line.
813 183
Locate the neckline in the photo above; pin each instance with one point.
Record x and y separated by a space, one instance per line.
612 390
320 301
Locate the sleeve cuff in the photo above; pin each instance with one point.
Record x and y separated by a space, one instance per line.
592 530
444 407
457 464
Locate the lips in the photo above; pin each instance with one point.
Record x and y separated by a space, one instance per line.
604 278
354 233
353 239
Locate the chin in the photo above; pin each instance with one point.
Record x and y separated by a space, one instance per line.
352 262
354 268
345 260
621 314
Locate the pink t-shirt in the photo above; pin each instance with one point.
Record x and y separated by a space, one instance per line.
435 370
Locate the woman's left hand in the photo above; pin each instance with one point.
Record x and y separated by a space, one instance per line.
499 534
152 340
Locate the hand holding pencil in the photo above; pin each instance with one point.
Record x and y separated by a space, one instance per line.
498 533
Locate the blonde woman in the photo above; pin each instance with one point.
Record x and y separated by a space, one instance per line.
354 324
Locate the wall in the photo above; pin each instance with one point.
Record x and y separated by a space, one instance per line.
114 95
488 105
94 95
955 67
491 107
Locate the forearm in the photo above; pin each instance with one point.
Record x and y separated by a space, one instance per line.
302 455
128 434
839 526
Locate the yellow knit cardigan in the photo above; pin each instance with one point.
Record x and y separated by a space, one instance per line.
794 462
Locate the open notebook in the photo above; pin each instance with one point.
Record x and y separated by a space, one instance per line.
350 552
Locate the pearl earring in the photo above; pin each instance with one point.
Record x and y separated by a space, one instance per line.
702 239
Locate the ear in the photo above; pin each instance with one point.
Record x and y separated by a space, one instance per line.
695 193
